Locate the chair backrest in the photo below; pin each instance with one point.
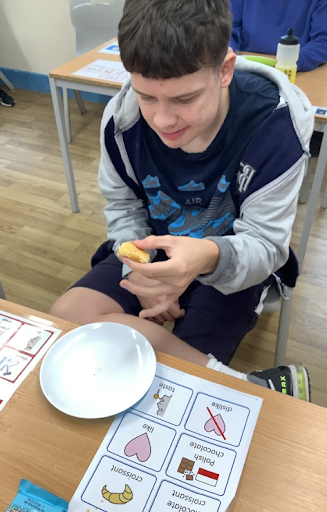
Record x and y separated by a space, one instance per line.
94 23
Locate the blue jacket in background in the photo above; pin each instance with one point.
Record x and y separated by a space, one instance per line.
259 24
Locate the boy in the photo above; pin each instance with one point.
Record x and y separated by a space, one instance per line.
202 169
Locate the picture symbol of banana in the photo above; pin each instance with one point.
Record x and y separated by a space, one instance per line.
117 498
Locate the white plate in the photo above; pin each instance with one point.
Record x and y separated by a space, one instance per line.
98 370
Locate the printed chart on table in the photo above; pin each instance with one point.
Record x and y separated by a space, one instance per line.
109 70
22 344
182 448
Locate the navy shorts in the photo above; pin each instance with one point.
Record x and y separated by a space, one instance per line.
213 323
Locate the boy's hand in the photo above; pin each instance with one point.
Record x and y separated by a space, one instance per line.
189 257
147 303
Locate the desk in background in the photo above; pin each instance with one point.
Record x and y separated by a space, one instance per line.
285 469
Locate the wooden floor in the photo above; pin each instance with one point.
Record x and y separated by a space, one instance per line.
45 248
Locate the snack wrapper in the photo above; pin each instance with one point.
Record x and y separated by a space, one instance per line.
31 498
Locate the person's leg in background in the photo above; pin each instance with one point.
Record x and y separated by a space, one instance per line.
5 99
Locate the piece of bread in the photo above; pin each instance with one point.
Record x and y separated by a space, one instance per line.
129 250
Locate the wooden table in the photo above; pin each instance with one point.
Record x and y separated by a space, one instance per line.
285 470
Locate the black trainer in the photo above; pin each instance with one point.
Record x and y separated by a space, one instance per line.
290 380
5 99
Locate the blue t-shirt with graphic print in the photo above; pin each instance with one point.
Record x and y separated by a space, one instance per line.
194 194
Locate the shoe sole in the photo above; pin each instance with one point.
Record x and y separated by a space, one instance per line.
300 382
6 104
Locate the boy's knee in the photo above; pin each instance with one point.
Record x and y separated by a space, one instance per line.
63 308
74 311
75 307
83 306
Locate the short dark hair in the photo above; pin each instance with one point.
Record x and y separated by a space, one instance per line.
170 38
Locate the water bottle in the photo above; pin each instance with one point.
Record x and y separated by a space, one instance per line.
288 51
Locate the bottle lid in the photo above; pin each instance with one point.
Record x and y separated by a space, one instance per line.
290 39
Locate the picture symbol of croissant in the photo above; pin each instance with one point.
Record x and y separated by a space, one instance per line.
117 498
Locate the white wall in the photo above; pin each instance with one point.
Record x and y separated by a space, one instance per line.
35 35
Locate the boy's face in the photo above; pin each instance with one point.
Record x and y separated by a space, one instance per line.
186 112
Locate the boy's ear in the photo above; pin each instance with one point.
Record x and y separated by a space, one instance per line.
227 69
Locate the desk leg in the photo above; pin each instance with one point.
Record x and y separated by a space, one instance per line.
66 113
286 307
6 81
314 197
62 134
324 201
304 192
283 327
